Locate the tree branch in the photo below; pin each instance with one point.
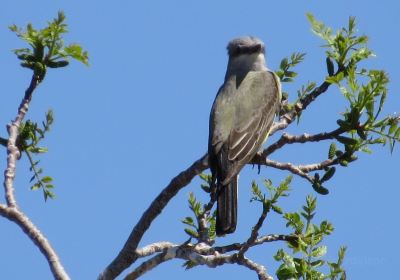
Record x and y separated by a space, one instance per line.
286 166
202 254
196 254
154 248
288 117
13 153
148 265
11 211
202 219
258 241
15 215
258 268
286 138
127 255
254 232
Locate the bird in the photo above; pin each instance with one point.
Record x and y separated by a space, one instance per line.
240 120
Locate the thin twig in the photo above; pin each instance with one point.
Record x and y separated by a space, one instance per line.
202 220
287 166
254 232
288 117
286 138
258 241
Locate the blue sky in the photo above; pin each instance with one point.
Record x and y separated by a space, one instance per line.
139 115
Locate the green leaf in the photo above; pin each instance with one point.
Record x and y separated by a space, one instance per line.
318 263
341 254
205 177
48 194
191 232
286 273
189 221
189 264
291 74
346 140
397 134
284 63
277 209
332 150
320 189
57 64
205 188
35 187
392 128
330 67
328 174
47 179
75 51
38 150
319 251
294 222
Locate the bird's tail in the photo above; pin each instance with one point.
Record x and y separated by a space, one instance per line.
227 207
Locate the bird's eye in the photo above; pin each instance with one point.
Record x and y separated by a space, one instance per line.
238 50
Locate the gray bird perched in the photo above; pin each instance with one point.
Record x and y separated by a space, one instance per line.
240 121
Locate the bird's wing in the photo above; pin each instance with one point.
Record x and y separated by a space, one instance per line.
257 100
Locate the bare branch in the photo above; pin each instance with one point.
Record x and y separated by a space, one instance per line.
154 248
202 255
290 139
258 268
202 220
13 153
319 166
286 166
254 232
259 241
148 265
15 215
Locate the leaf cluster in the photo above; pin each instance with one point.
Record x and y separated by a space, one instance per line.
365 103
365 91
307 261
345 47
47 48
30 136
199 212
286 73
275 193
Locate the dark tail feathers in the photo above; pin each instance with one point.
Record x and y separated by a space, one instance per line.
227 207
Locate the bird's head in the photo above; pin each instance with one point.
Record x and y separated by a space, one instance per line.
247 45
245 54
